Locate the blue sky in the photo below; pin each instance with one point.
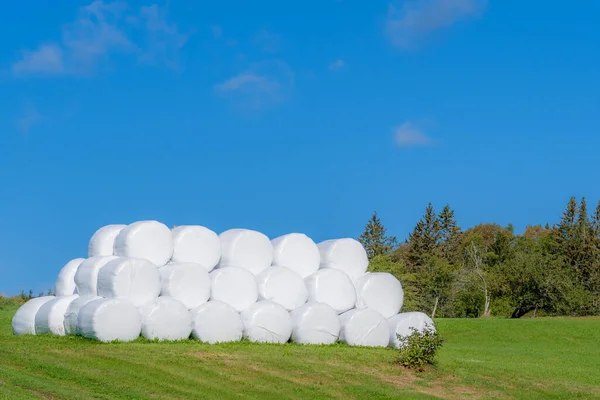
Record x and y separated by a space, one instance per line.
288 117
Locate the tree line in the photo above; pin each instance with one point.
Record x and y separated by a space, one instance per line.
489 270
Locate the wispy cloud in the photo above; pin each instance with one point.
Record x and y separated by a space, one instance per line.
262 85
411 24
268 42
102 30
337 65
408 135
217 31
28 119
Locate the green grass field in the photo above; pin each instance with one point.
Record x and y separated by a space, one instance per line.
482 358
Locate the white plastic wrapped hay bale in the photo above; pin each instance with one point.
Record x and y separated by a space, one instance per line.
216 322
23 322
135 279
234 286
347 255
188 283
150 240
65 283
402 323
267 322
315 323
381 292
364 327
108 320
245 248
196 244
332 287
102 242
86 277
297 252
50 318
282 286
165 319
72 313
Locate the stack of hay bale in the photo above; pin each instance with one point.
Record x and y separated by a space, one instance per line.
146 279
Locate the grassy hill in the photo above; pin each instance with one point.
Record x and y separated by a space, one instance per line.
491 358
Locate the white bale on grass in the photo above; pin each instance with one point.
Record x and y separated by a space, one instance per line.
282 286
216 322
379 291
364 327
234 286
72 313
86 277
346 254
23 322
297 252
165 319
102 242
332 287
315 323
107 320
188 283
135 279
196 244
245 248
402 323
65 282
267 322
150 240
50 318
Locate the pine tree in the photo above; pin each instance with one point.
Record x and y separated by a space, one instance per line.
564 233
424 239
596 222
449 235
375 239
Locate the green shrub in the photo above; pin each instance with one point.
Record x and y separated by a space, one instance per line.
420 348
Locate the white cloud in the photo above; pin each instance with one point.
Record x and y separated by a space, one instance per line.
411 24
47 59
262 85
29 118
408 135
337 65
102 30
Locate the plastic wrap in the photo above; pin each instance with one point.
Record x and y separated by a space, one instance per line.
196 244
267 322
364 327
332 287
23 322
150 240
234 286
165 319
107 320
65 283
135 279
102 242
86 277
50 318
297 252
246 249
400 325
216 322
282 286
379 291
73 312
186 282
315 323
347 255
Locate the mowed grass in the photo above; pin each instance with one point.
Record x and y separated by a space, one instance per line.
482 358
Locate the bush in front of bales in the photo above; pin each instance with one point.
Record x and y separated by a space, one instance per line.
420 348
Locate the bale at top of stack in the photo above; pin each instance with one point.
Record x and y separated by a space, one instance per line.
146 279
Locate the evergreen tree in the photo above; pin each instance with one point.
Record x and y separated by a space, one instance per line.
375 239
423 240
564 233
449 235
